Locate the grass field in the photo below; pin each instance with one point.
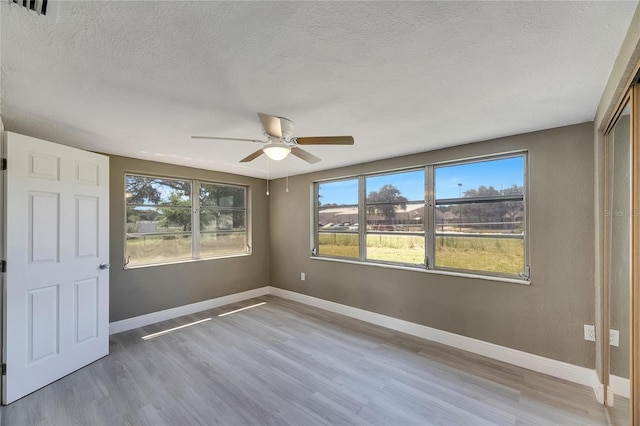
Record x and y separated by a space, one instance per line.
481 254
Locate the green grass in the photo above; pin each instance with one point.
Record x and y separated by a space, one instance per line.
481 254
340 245
500 255
396 248
390 248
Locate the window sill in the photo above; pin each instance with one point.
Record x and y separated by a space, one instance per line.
427 271
181 261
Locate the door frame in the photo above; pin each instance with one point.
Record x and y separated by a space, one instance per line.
634 372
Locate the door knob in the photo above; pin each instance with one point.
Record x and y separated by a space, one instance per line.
105 266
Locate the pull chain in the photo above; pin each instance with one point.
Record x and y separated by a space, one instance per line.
267 176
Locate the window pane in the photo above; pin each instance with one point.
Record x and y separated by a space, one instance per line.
482 197
158 219
396 248
338 244
143 249
156 191
395 205
222 220
222 232
502 255
214 244
216 195
338 219
505 217
482 178
338 193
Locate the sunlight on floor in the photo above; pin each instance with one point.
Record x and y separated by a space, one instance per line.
160 333
242 309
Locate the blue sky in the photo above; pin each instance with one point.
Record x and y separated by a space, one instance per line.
500 173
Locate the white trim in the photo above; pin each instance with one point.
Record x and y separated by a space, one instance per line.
620 386
143 320
562 370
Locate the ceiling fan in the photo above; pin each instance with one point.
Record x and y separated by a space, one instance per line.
280 141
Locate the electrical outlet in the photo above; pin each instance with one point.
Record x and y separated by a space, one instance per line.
589 333
614 337
303 276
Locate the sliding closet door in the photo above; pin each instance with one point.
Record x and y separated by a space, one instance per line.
618 221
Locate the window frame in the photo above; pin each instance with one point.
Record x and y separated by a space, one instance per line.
195 185
525 275
364 192
429 221
316 219
198 183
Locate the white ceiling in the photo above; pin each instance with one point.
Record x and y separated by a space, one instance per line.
139 78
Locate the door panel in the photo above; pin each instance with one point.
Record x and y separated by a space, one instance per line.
42 323
87 227
87 309
43 227
57 296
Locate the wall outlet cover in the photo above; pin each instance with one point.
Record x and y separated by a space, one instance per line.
589 333
614 337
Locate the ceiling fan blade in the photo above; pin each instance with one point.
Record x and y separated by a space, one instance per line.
227 139
252 157
325 140
306 156
271 125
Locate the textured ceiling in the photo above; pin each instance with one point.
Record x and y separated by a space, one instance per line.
139 78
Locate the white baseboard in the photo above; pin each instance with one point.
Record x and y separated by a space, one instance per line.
142 320
573 373
559 369
620 386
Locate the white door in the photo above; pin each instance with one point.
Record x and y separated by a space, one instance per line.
57 236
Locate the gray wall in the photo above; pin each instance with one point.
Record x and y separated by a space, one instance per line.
143 290
545 318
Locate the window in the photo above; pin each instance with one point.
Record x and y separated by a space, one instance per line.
222 220
395 217
473 222
338 218
165 224
480 216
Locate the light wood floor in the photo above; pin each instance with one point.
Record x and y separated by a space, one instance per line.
620 413
286 363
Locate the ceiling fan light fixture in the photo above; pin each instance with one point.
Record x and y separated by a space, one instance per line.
277 152
280 141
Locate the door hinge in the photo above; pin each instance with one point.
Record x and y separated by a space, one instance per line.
4 369
3 164
3 266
